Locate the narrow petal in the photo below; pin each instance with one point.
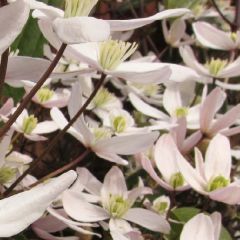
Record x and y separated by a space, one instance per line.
80 210
218 158
112 157
124 25
148 219
120 144
232 69
217 224
209 108
140 71
45 127
212 37
226 120
145 108
198 228
15 15
31 204
81 29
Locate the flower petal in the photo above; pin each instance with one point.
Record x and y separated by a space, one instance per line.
30 204
124 25
81 29
12 20
147 219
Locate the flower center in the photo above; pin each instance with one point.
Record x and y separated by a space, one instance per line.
102 98
113 52
44 94
119 124
6 174
78 8
233 36
177 180
217 183
160 206
215 66
101 133
181 112
118 206
29 123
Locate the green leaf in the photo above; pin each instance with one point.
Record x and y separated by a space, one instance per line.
15 93
225 234
184 214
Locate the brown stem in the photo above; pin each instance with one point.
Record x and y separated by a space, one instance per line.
63 169
237 16
3 3
33 91
231 24
58 136
3 69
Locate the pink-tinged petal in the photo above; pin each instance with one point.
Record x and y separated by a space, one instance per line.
140 71
147 166
114 184
12 20
45 11
190 60
165 156
226 120
35 137
124 25
138 192
5 110
81 29
210 106
112 157
199 163
232 69
45 127
172 99
148 219
229 195
74 105
120 144
80 210
191 141
218 158
216 218
25 68
230 131
198 228
179 132
177 30
191 176
31 204
228 86
88 181
145 108
212 37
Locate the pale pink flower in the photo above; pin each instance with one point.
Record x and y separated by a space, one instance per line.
212 176
116 203
202 227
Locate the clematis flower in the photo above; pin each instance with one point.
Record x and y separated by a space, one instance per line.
46 97
19 211
212 37
29 126
214 68
202 226
165 159
116 203
99 139
211 126
15 15
212 176
176 101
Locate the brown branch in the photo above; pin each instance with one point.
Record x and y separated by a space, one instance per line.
3 69
33 91
58 136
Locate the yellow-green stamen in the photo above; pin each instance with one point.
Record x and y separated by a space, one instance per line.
217 183
44 94
29 123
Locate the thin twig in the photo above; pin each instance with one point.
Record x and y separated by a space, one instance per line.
237 16
63 169
33 91
58 136
231 24
3 69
